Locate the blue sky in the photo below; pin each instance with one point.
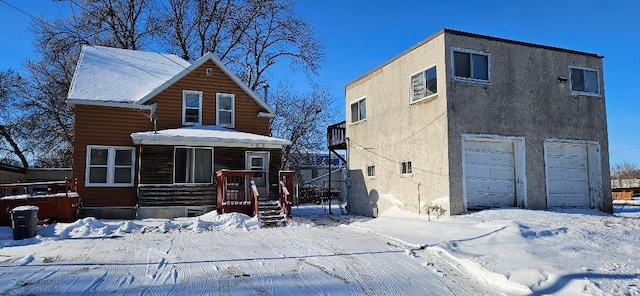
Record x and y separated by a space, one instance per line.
359 35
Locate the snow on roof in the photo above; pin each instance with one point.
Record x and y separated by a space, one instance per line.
207 135
121 75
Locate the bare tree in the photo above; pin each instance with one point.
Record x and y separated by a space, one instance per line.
301 119
117 23
46 121
249 36
279 33
625 170
195 27
10 123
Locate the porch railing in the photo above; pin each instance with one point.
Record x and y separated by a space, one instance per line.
285 190
337 135
235 193
39 188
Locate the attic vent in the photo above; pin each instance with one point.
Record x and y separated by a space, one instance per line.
209 71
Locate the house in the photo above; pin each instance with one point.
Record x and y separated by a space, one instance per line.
152 130
625 188
463 121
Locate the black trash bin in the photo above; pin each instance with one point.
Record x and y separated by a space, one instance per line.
24 221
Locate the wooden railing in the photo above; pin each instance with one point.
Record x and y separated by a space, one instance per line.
337 135
39 188
285 190
234 192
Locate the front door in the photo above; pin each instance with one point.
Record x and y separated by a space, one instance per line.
259 162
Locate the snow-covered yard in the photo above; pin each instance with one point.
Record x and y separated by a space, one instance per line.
508 251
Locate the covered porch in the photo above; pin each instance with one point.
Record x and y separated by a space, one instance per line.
176 173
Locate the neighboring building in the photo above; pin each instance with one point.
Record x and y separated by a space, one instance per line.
49 174
316 165
12 174
625 188
464 121
315 181
151 129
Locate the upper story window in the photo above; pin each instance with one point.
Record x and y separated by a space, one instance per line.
109 166
424 84
225 115
359 110
191 107
405 167
584 81
470 65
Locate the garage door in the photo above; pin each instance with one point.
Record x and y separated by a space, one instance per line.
567 175
489 174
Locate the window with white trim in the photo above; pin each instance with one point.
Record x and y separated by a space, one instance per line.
371 170
470 65
191 107
110 166
424 84
225 115
405 167
192 165
359 110
584 80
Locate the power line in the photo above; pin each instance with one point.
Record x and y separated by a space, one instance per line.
625 149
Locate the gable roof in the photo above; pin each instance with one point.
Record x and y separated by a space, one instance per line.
199 62
106 74
116 77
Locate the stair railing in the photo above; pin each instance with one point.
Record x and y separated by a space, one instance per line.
255 194
285 189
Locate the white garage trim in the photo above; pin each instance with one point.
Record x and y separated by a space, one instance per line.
593 167
518 163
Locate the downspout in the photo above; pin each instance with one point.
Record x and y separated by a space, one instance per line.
154 118
348 181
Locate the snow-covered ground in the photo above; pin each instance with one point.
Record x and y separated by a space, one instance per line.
508 251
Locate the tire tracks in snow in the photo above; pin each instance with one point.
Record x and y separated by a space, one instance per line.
370 281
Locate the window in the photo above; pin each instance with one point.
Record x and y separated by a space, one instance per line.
224 106
371 170
472 66
584 81
359 110
192 165
405 167
109 166
191 107
424 84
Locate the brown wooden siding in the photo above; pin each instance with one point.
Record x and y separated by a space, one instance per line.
105 126
169 110
177 195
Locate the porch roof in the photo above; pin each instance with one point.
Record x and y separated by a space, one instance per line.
207 135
